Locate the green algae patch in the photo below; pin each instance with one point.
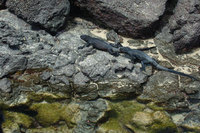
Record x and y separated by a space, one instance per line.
131 116
152 122
51 129
3 105
28 98
71 114
14 119
51 113
120 113
46 96
162 123
154 107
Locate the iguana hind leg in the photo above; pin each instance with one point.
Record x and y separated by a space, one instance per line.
117 45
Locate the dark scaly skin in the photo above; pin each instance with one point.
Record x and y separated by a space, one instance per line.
146 60
133 53
100 44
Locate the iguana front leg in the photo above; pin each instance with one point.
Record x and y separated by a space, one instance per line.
81 47
117 45
144 63
133 58
143 68
112 52
86 45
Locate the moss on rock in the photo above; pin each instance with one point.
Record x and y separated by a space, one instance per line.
131 115
121 113
162 123
51 113
46 96
14 120
57 129
26 99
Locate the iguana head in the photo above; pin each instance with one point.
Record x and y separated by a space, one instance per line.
85 37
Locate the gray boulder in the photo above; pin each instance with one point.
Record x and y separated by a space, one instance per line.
13 20
191 121
80 79
163 89
119 89
5 85
11 37
12 63
2 3
130 17
48 14
185 25
91 113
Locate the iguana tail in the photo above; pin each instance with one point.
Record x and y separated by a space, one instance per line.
173 71
143 49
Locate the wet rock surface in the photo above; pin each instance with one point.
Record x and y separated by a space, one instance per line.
38 62
49 84
92 112
140 118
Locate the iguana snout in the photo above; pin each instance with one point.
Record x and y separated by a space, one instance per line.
85 37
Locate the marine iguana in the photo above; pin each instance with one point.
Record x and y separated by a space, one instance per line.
146 60
100 44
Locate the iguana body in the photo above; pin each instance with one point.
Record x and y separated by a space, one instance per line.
146 60
105 46
100 44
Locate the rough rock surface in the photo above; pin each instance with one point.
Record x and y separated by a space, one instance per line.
166 49
185 25
170 94
191 121
130 116
92 112
50 15
5 85
130 17
119 90
57 87
13 20
2 3
35 61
